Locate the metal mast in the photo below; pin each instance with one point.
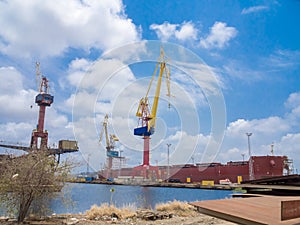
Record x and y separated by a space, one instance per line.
168 171
251 174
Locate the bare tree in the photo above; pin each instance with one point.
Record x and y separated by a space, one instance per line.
30 178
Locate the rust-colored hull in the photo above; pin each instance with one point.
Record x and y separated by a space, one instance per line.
263 166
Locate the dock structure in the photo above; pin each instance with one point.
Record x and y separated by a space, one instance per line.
254 210
52 151
288 185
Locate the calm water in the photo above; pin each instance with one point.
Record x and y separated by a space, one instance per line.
85 195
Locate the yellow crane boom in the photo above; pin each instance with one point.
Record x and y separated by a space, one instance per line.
143 112
109 139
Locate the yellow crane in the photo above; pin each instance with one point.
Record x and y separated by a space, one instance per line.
147 117
109 139
110 143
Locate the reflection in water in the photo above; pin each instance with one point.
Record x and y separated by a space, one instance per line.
85 195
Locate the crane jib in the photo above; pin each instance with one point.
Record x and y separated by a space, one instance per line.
147 119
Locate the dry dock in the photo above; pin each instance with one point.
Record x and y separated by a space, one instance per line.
254 210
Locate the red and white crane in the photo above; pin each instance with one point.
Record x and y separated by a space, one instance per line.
39 137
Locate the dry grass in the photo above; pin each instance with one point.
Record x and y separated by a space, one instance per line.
177 208
105 210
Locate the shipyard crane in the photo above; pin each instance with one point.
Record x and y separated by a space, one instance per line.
147 115
43 99
39 136
110 140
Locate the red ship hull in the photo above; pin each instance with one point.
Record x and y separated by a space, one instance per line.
263 166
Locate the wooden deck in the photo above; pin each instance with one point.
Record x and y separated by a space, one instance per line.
253 210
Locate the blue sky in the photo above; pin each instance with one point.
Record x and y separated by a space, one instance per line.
250 48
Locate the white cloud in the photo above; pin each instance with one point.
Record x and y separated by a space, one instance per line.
254 9
16 101
219 36
283 132
76 71
187 31
293 104
34 28
293 100
11 80
164 31
13 132
182 32
183 148
289 144
267 125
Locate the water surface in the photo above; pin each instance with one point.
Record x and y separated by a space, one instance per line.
84 196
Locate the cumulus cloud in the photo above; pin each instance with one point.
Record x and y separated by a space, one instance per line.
76 71
219 36
17 100
254 9
13 132
182 32
283 132
34 28
186 31
293 101
164 31
289 143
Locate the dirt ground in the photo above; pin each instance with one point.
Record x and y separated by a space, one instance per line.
170 213
81 220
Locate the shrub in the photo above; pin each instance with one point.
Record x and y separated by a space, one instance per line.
105 210
177 208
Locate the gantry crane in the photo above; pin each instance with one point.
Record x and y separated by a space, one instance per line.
147 116
110 140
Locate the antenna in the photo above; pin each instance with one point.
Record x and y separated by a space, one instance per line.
272 149
38 76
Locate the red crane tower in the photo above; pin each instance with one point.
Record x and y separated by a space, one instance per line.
39 137
147 117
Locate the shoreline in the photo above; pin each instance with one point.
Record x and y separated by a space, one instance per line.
162 184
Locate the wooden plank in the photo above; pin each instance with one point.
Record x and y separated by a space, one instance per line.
290 209
256 210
